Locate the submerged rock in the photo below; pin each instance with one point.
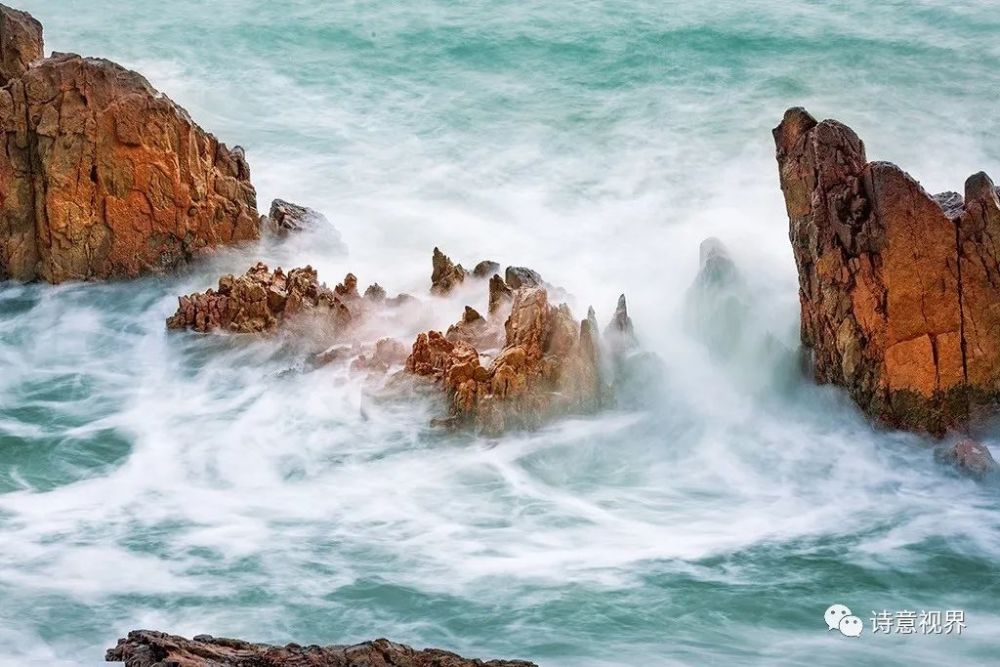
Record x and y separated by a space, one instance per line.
147 648
897 288
446 275
260 300
970 458
103 176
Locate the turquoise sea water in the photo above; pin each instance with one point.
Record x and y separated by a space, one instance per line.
190 485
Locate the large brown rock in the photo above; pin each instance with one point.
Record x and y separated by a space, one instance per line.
146 648
897 287
102 176
445 274
20 43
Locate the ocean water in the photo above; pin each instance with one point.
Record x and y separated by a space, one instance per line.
192 485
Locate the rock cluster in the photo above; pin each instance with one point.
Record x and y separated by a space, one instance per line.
260 300
549 364
101 175
898 288
146 648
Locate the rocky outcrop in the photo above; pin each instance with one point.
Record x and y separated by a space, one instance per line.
285 217
102 176
549 365
485 269
260 300
20 43
501 295
717 304
897 287
446 275
969 458
146 648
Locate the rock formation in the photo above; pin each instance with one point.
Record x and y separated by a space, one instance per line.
501 295
446 274
20 43
285 217
897 287
485 269
717 304
969 458
549 365
102 176
259 300
146 648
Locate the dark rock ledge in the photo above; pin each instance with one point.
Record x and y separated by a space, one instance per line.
148 648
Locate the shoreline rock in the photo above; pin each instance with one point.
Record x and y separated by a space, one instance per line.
897 287
148 648
102 175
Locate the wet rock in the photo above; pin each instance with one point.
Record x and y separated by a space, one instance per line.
375 292
286 217
103 176
259 301
717 304
388 353
897 288
548 366
620 332
501 295
446 274
521 276
485 269
476 330
20 43
970 458
147 648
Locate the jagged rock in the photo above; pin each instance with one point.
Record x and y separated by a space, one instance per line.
286 217
897 288
716 305
259 301
102 176
970 458
20 43
476 330
348 290
521 276
620 333
147 648
446 274
548 365
500 295
485 269
375 292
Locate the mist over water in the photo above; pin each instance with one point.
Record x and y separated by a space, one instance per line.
191 484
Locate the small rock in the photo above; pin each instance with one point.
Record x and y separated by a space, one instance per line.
446 274
969 458
485 269
287 217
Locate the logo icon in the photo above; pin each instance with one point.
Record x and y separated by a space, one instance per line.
839 617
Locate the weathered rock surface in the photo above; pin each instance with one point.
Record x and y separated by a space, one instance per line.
898 288
20 43
549 365
146 648
485 269
260 300
969 458
102 176
446 275
501 295
285 217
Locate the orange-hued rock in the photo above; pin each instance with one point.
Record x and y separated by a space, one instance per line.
20 43
446 275
549 365
897 287
102 176
260 300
